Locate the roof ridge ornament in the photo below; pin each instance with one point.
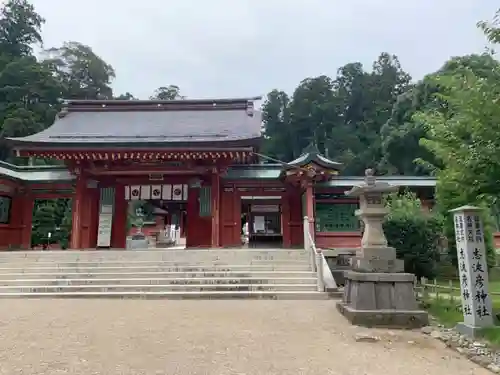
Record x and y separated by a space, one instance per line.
311 148
250 108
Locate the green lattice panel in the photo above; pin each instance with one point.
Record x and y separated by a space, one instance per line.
336 217
205 201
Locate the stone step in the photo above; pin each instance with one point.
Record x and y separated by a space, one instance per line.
157 274
119 288
170 263
159 281
179 268
180 257
147 254
201 273
261 294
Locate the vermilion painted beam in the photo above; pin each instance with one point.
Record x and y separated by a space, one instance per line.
52 196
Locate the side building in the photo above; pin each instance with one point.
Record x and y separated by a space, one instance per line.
195 160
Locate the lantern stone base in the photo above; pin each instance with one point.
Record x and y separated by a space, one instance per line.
377 259
381 300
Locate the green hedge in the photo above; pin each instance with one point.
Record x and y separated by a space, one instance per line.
416 234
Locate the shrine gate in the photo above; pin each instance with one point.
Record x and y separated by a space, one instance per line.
197 158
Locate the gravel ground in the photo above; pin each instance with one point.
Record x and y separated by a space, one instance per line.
156 337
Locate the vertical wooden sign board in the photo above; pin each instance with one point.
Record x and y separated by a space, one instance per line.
473 270
106 208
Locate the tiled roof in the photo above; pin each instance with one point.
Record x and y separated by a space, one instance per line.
35 174
412 181
255 171
312 154
273 171
230 122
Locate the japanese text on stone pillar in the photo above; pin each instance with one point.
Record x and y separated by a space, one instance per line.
473 271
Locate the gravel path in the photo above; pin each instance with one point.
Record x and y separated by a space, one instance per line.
125 337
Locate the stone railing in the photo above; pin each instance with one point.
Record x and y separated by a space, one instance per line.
326 282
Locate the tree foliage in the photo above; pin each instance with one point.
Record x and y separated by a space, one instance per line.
415 233
464 140
402 152
54 217
20 28
170 92
29 93
343 116
462 135
491 28
82 73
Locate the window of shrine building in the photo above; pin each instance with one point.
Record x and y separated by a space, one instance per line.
336 217
5 203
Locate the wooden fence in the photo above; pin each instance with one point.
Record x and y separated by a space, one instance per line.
445 292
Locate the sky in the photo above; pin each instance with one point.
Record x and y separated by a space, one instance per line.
243 48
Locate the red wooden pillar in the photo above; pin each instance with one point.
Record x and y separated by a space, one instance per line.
215 195
22 218
119 226
310 208
196 233
85 220
236 216
90 219
78 212
285 219
29 203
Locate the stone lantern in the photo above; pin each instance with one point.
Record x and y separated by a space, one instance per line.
377 291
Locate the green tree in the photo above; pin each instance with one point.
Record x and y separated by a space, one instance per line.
170 92
402 152
491 28
276 126
29 92
43 223
367 105
464 140
20 27
83 74
341 116
126 96
65 219
415 233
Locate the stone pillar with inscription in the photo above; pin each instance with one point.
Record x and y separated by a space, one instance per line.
473 270
377 292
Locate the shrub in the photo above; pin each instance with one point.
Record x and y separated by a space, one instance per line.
415 233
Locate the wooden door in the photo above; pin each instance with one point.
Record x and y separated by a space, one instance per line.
230 218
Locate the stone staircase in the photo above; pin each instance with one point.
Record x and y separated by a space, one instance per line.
161 273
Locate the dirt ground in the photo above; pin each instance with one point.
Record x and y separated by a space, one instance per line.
126 337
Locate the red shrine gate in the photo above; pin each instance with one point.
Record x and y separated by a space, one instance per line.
168 151
100 211
198 156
